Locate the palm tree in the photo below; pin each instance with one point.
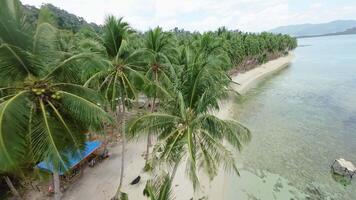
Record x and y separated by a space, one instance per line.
188 126
119 80
158 51
41 115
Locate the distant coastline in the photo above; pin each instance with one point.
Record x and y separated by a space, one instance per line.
351 31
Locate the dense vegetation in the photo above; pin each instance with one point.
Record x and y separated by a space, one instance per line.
56 85
64 19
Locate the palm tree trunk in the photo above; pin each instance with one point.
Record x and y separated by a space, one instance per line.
152 111
149 142
174 170
57 186
118 192
147 147
12 188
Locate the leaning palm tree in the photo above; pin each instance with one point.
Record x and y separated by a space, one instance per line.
41 114
188 126
119 80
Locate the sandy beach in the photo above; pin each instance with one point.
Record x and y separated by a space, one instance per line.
100 182
250 78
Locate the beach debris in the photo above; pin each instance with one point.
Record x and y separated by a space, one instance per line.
136 180
343 167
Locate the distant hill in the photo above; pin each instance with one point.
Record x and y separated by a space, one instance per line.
316 29
350 31
65 20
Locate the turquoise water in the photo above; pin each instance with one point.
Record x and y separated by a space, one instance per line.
301 118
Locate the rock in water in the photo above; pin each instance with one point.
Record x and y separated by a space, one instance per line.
343 167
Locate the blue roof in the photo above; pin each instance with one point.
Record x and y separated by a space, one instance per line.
90 147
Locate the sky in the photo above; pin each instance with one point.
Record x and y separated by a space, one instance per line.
204 15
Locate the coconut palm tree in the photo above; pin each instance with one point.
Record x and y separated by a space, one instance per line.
41 114
158 50
188 126
120 79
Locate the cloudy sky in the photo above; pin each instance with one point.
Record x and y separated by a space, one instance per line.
202 15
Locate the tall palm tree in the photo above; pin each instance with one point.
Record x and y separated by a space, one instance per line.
41 114
119 80
158 51
188 126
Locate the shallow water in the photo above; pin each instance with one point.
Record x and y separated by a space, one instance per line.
301 118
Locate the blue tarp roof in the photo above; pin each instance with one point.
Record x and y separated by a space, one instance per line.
90 147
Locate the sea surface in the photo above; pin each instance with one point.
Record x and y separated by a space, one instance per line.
301 118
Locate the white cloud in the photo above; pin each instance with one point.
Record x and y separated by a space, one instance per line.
202 15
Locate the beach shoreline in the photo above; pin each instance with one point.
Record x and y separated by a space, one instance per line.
101 181
247 80
243 82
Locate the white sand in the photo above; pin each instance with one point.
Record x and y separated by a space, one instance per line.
100 182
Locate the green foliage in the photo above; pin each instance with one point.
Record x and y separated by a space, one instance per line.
43 115
160 188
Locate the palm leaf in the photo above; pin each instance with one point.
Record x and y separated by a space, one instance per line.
53 151
160 188
16 64
83 111
72 67
45 44
13 30
14 117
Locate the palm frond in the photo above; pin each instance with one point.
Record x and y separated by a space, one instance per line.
16 64
13 30
115 31
148 122
45 44
72 68
160 188
14 117
84 92
53 151
83 111
235 133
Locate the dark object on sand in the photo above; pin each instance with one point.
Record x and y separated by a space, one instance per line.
104 154
136 180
